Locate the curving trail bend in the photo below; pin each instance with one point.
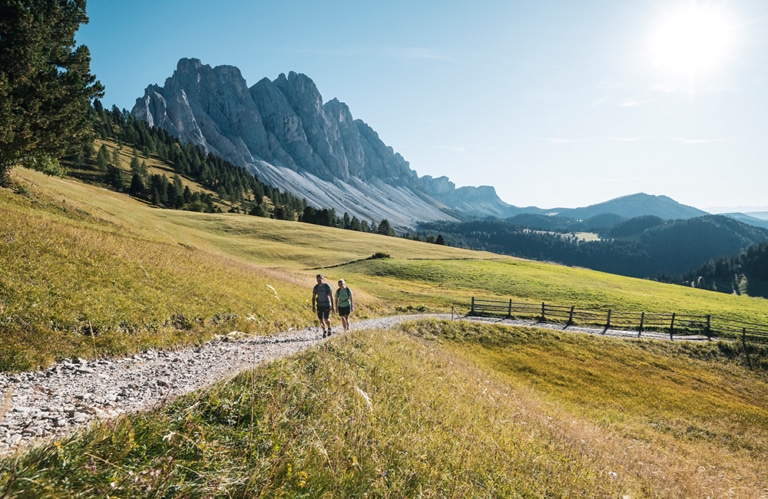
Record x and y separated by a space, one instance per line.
70 394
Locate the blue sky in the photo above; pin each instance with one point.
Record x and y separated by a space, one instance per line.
554 103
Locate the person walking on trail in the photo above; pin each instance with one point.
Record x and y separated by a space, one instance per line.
322 301
344 303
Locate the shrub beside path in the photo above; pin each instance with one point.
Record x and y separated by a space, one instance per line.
72 393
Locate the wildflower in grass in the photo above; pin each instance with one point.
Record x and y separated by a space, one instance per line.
274 291
303 476
365 397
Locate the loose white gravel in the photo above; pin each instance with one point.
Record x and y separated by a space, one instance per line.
72 393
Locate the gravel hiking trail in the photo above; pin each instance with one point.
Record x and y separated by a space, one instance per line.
70 394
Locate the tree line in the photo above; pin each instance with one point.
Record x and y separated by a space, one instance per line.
742 273
234 185
646 247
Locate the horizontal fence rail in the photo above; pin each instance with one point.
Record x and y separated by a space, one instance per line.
672 323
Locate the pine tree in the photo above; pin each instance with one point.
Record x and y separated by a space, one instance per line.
45 82
116 157
114 178
385 228
102 158
135 164
137 188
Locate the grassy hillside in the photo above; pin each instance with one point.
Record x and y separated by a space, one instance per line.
89 272
437 409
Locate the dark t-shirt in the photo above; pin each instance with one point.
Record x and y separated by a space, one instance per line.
324 294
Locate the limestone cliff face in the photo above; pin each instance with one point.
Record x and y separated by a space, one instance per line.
282 131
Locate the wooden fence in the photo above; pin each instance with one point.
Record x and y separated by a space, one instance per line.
671 323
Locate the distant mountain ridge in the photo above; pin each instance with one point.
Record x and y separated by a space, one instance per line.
636 205
282 131
630 206
750 219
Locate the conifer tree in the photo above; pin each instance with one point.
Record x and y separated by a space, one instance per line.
114 178
45 81
102 158
137 188
354 224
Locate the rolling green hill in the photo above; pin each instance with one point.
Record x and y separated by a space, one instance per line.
438 409
80 259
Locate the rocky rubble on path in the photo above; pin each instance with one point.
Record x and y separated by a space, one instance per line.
71 393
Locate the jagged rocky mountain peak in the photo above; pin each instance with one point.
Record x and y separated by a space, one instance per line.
282 131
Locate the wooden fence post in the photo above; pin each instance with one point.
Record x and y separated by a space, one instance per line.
642 320
746 350
543 316
607 322
472 311
672 327
509 314
708 329
570 316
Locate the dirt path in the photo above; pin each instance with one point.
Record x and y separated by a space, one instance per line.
72 393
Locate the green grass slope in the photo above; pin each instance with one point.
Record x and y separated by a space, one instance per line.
89 272
437 409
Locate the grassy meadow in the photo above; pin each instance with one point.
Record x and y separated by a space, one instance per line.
435 409
89 272
432 409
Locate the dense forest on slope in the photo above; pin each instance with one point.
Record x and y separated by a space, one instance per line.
640 247
745 273
223 183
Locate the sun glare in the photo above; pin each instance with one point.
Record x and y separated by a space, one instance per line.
690 42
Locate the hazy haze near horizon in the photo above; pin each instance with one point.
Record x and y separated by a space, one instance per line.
554 103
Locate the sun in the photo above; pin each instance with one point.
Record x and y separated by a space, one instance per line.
690 42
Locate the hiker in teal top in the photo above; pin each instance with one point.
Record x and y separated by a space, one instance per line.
322 301
344 303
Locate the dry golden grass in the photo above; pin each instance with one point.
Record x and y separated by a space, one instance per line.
430 414
675 420
79 257
437 409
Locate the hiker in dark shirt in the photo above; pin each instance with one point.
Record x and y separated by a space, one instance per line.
322 302
344 303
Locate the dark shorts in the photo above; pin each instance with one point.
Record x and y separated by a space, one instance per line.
344 311
323 312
